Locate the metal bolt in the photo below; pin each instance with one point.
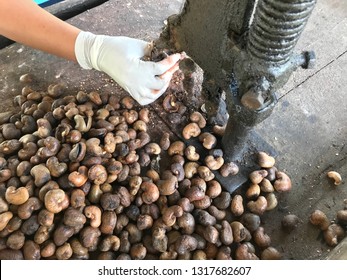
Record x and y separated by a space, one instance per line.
252 99
310 59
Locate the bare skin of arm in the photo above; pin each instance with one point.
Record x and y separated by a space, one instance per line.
27 23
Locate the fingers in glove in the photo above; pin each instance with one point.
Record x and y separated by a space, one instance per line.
134 47
168 74
148 49
158 92
158 82
162 66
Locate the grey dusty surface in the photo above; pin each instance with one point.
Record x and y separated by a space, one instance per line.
308 127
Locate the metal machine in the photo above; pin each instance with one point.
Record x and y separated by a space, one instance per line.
246 50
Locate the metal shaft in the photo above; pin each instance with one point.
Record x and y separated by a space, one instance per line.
276 28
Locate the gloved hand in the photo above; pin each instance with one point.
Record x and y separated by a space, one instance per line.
120 58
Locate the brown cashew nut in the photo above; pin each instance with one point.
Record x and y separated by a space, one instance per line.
270 253
191 130
205 173
198 118
10 131
131 116
55 167
78 178
229 168
195 193
239 231
259 206
333 234
243 252
253 191
214 163
271 174
110 243
135 184
45 217
44 128
144 222
250 221
81 125
185 243
152 149
170 103
93 213
78 152
171 213
150 192
341 217
29 149
74 217
226 233
213 189
203 203
108 222
46 187
319 219
236 205
3 205
283 182
110 143
41 174
178 170
98 174
261 238
26 209
208 140
271 201
164 142
144 115
8 147
140 125
191 154
74 136
217 213
265 160
93 147
190 169
266 186
168 186
176 148
4 219
77 198
5 174
51 147
16 196
335 176
289 222
257 176
55 200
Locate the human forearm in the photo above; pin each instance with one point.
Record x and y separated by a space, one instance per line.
25 22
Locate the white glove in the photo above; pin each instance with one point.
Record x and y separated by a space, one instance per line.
120 58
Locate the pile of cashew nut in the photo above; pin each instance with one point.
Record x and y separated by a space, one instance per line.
76 182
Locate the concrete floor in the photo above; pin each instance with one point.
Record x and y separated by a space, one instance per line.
308 127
